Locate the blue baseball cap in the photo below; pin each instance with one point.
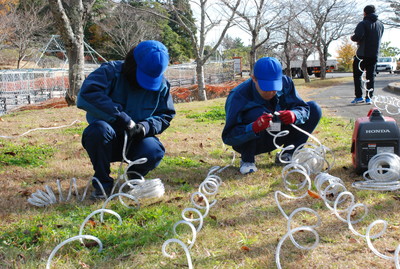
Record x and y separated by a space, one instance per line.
268 72
152 60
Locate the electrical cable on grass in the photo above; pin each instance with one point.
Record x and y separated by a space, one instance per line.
37 129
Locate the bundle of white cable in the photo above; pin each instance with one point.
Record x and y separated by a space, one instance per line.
383 173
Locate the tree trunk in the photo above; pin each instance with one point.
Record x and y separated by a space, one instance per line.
304 69
200 81
76 74
69 20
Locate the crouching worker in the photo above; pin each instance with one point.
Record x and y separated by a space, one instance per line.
130 96
250 108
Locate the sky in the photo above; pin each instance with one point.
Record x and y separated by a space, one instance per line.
389 35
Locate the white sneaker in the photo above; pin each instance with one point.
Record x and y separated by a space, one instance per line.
246 168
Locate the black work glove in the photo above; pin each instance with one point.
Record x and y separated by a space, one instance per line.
136 133
123 121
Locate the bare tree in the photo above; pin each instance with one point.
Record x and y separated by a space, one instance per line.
127 26
304 38
259 18
331 21
70 17
209 17
27 26
290 50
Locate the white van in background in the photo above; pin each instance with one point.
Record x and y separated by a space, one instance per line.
386 64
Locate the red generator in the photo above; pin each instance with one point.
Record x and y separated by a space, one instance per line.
372 135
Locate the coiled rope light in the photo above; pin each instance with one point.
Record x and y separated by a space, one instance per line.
209 186
383 173
349 210
287 171
310 156
333 192
139 188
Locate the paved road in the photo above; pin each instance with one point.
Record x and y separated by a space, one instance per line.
335 100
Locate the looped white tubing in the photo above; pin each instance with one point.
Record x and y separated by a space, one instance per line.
96 212
335 204
368 237
200 219
173 240
44 198
78 237
289 224
194 232
383 173
298 186
290 233
350 223
207 207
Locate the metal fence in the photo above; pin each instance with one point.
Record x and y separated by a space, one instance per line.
30 86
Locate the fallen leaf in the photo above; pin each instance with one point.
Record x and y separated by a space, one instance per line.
244 248
352 240
92 223
313 194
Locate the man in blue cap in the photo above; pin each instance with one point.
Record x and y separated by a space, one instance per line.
132 97
249 112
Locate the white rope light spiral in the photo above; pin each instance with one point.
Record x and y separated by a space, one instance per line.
209 186
383 173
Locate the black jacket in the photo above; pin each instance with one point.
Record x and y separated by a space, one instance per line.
368 34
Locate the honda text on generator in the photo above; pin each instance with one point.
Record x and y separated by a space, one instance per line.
372 135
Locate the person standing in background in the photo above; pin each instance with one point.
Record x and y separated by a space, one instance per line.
367 34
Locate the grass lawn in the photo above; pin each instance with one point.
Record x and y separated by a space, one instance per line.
241 231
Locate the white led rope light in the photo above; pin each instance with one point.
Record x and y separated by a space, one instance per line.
209 186
139 188
383 173
78 237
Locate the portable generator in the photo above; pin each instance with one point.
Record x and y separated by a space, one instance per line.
372 135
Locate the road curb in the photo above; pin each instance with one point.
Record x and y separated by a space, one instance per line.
393 87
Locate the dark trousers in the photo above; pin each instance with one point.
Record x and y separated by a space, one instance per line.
369 65
264 143
104 145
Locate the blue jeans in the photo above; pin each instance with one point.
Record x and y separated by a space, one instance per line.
104 145
264 143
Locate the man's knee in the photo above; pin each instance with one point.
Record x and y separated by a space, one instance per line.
97 132
315 110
